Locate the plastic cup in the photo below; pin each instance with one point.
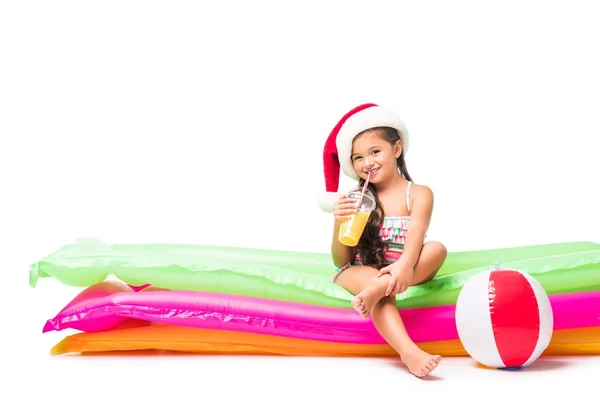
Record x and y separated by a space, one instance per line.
352 229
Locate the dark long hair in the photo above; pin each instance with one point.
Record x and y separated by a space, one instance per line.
371 247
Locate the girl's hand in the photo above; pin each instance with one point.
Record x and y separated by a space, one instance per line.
401 278
344 208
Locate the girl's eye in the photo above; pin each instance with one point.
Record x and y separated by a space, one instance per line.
375 151
357 158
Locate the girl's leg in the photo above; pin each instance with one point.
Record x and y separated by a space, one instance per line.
430 260
388 322
429 263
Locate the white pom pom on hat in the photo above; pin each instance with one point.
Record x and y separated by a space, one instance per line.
338 146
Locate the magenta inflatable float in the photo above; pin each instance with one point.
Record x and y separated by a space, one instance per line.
104 307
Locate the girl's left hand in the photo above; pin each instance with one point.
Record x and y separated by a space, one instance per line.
401 278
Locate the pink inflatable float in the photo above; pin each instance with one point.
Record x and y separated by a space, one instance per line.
90 299
281 318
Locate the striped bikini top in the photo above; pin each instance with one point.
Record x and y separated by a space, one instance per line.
393 228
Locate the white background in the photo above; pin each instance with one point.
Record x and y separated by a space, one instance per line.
204 122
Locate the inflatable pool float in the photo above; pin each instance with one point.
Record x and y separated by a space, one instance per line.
303 277
225 300
281 318
579 341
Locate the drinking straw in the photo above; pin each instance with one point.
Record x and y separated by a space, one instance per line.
364 189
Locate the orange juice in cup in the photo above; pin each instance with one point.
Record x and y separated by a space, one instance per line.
352 229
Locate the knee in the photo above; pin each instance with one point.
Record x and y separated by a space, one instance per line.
439 252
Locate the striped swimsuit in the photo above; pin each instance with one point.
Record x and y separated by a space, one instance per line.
393 232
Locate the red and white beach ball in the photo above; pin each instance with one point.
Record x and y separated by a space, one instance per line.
504 318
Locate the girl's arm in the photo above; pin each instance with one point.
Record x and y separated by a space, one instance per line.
340 253
420 217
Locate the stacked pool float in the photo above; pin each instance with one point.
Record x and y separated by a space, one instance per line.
225 300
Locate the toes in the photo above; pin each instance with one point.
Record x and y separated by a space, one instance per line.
427 368
360 307
363 309
432 364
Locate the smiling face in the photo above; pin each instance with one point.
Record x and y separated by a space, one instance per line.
371 152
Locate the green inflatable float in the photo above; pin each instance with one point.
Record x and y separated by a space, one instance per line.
303 277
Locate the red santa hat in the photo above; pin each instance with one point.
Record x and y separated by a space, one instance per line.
338 146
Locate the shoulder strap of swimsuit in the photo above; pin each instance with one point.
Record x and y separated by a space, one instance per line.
408 196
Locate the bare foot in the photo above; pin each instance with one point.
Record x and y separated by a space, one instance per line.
419 362
365 300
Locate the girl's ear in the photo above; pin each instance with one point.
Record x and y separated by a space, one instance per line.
397 149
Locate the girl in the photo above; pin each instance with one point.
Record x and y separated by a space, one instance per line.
391 254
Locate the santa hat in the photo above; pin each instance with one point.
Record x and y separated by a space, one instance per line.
338 146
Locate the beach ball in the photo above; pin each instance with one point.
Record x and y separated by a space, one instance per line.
504 318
